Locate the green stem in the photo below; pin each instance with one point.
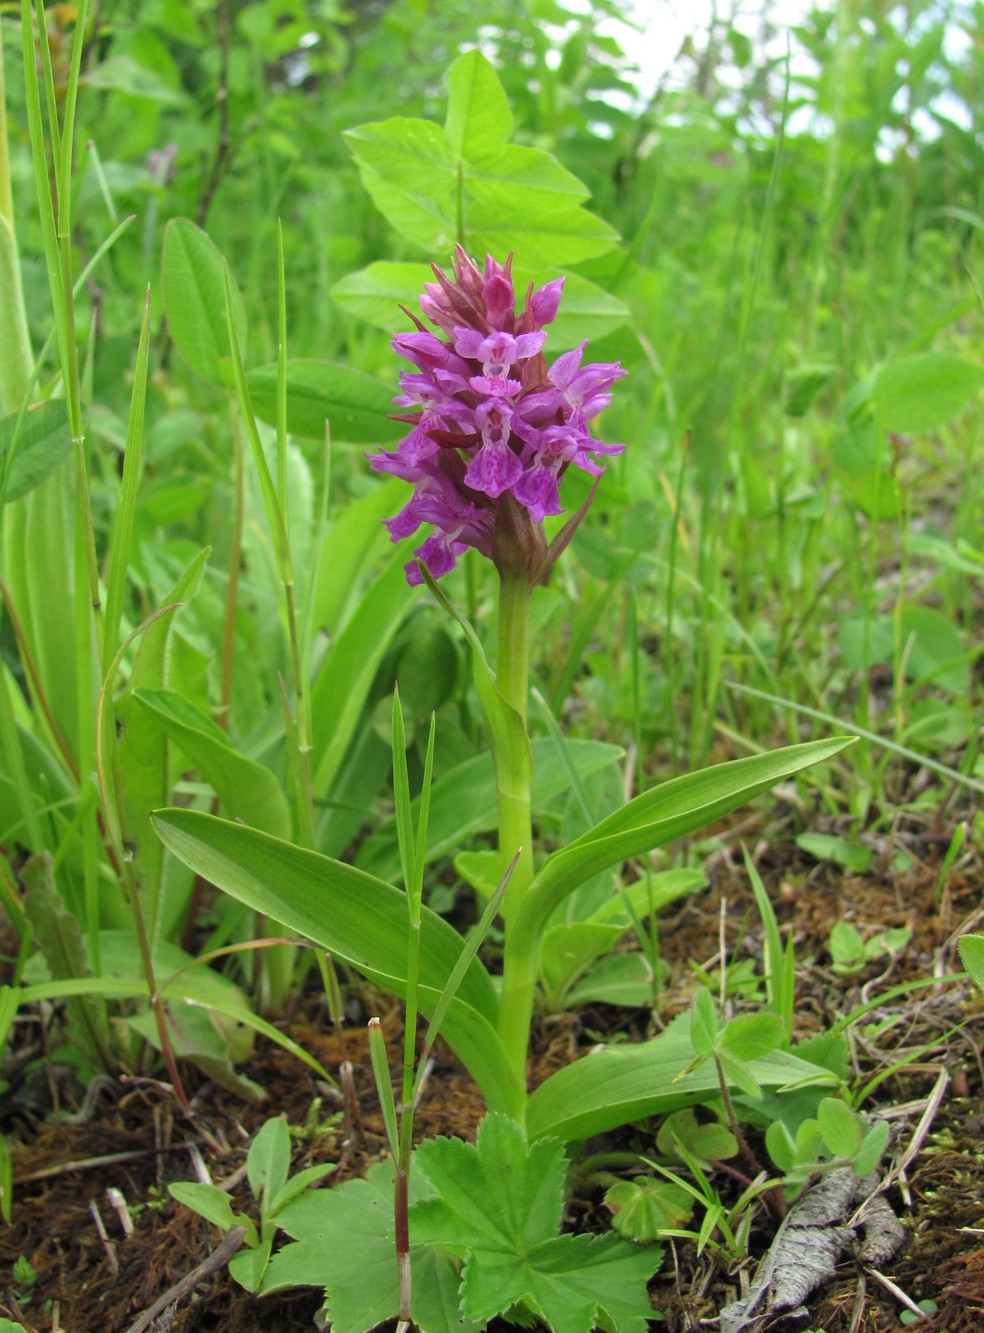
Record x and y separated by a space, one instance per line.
513 801
16 359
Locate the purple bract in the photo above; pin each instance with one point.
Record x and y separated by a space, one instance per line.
494 428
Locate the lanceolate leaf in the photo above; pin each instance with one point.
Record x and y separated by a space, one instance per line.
463 801
620 1084
669 811
247 789
342 684
356 917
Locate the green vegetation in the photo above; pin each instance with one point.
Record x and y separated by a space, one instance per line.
213 222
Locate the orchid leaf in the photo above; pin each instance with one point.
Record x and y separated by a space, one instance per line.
463 802
620 1084
356 917
247 789
670 810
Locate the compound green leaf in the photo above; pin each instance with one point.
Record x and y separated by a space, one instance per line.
354 405
41 443
193 282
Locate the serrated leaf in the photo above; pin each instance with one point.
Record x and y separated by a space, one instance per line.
345 1242
496 1191
644 1207
574 1282
498 1204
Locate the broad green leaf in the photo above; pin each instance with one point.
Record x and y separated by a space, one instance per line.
355 915
751 1035
568 950
59 937
852 856
708 1142
972 956
56 929
625 979
247 789
268 1161
644 1207
355 535
652 895
498 1203
142 750
703 1023
618 1085
586 311
738 1073
839 1126
923 391
43 441
463 801
670 810
208 1200
869 1151
411 174
479 122
341 687
344 1241
123 74
193 282
467 183
16 356
357 918
355 405
248 1265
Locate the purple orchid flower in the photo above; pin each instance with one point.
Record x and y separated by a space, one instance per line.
493 430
